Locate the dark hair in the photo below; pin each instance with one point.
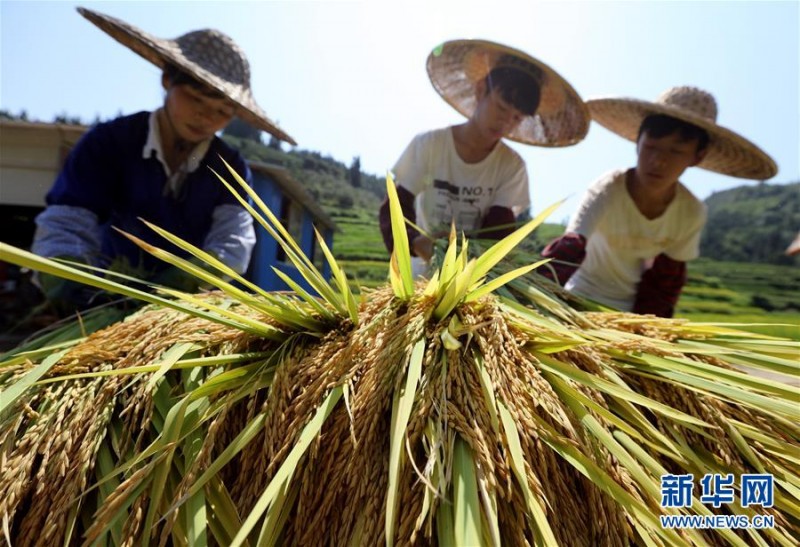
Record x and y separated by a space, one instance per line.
518 83
661 125
176 76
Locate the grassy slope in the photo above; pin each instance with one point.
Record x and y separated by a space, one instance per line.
743 292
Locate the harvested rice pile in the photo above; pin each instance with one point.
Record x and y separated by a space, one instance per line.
427 413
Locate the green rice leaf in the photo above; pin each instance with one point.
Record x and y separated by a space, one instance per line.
277 514
163 466
287 468
13 392
540 523
223 519
402 404
605 386
12 255
445 526
466 503
170 357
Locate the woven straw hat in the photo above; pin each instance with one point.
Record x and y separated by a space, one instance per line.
728 152
207 55
454 68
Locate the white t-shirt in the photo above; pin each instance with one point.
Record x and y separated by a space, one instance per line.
448 188
622 243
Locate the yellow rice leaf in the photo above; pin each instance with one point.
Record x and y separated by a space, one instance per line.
498 282
449 264
401 253
276 224
274 228
455 292
341 279
488 392
305 295
499 250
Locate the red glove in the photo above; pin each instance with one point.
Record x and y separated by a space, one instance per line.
567 252
660 287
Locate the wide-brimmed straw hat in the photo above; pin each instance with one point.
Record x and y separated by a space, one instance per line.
728 152
207 55
561 119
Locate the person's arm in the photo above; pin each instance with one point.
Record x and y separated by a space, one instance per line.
569 251
69 227
501 219
67 231
410 172
232 237
660 287
511 198
79 201
661 284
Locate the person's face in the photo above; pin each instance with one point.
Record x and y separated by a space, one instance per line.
495 117
663 160
194 115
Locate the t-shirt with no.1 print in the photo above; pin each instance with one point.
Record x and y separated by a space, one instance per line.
622 242
448 188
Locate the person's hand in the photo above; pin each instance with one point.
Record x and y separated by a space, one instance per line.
423 247
66 296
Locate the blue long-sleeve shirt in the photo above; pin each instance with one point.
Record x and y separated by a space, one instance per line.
107 181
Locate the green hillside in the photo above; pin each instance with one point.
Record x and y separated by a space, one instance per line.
752 223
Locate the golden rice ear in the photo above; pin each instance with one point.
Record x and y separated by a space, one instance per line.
466 418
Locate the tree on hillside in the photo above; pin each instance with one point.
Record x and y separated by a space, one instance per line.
66 119
242 129
355 172
274 143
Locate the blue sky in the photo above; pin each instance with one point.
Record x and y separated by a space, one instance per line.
348 78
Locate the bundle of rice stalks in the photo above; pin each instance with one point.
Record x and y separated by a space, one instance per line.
428 412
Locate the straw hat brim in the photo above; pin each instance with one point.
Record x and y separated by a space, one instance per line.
728 152
562 118
162 51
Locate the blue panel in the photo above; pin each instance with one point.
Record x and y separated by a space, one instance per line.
265 252
266 249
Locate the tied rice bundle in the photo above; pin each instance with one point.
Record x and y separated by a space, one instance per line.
471 408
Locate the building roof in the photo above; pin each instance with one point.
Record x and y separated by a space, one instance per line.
295 190
31 156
